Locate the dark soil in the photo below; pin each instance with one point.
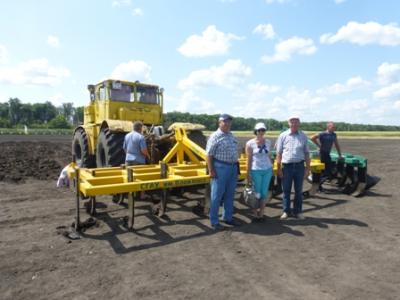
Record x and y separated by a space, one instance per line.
346 248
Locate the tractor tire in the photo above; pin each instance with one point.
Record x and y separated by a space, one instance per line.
198 137
109 150
80 149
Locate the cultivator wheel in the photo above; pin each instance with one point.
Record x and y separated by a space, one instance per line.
110 152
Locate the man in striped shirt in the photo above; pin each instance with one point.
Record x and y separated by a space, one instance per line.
292 152
222 159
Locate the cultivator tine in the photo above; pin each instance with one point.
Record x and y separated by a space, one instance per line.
163 203
371 181
91 206
315 182
362 182
341 174
131 202
276 188
351 180
78 195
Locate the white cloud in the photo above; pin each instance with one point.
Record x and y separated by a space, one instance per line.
397 105
33 72
294 101
53 41
137 12
390 91
190 102
3 54
132 70
285 49
388 73
266 30
57 99
350 85
120 3
277 1
231 73
210 42
258 90
364 34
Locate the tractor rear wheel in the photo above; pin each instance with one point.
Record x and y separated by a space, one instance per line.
109 151
80 149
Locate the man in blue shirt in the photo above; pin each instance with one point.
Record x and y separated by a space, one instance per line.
135 146
325 140
222 163
292 152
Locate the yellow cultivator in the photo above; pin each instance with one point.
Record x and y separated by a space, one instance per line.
184 165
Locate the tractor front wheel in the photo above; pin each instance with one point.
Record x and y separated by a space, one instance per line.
80 149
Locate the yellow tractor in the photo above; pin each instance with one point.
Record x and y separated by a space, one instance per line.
114 105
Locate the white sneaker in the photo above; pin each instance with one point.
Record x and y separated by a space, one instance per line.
300 216
284 216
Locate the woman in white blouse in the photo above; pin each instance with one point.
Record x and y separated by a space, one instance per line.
259 167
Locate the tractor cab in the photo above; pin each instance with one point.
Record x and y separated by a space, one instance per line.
124 91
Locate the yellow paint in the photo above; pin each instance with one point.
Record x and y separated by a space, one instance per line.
103 181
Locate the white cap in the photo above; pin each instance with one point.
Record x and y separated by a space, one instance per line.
294 117
260 125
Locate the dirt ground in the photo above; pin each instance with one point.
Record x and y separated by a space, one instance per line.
346 248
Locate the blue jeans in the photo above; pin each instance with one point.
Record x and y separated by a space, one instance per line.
293 173
261 180
223 191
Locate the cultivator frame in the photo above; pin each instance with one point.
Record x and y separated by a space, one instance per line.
184 165
350 172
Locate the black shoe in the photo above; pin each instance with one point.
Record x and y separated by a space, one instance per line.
217 227
232 222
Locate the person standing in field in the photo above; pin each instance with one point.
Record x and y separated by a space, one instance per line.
135 148
293 162
325 140
259 167
222 163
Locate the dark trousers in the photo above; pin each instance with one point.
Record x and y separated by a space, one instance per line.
293 173
326 159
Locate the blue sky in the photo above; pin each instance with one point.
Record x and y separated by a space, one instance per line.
322 59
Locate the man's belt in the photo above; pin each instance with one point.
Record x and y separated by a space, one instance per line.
225 162
294 163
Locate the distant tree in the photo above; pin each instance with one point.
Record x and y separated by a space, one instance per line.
59 122
14 111
4 107
78 115
67 110
26 114
44 112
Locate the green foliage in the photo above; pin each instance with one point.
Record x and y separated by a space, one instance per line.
78 115
15 114
44 112
247 124
59 122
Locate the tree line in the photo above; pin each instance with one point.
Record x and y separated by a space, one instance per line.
14 113
247 124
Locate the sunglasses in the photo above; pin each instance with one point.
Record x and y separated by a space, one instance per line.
261 130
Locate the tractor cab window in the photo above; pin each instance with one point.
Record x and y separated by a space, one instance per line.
120 92
102 93
147 95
